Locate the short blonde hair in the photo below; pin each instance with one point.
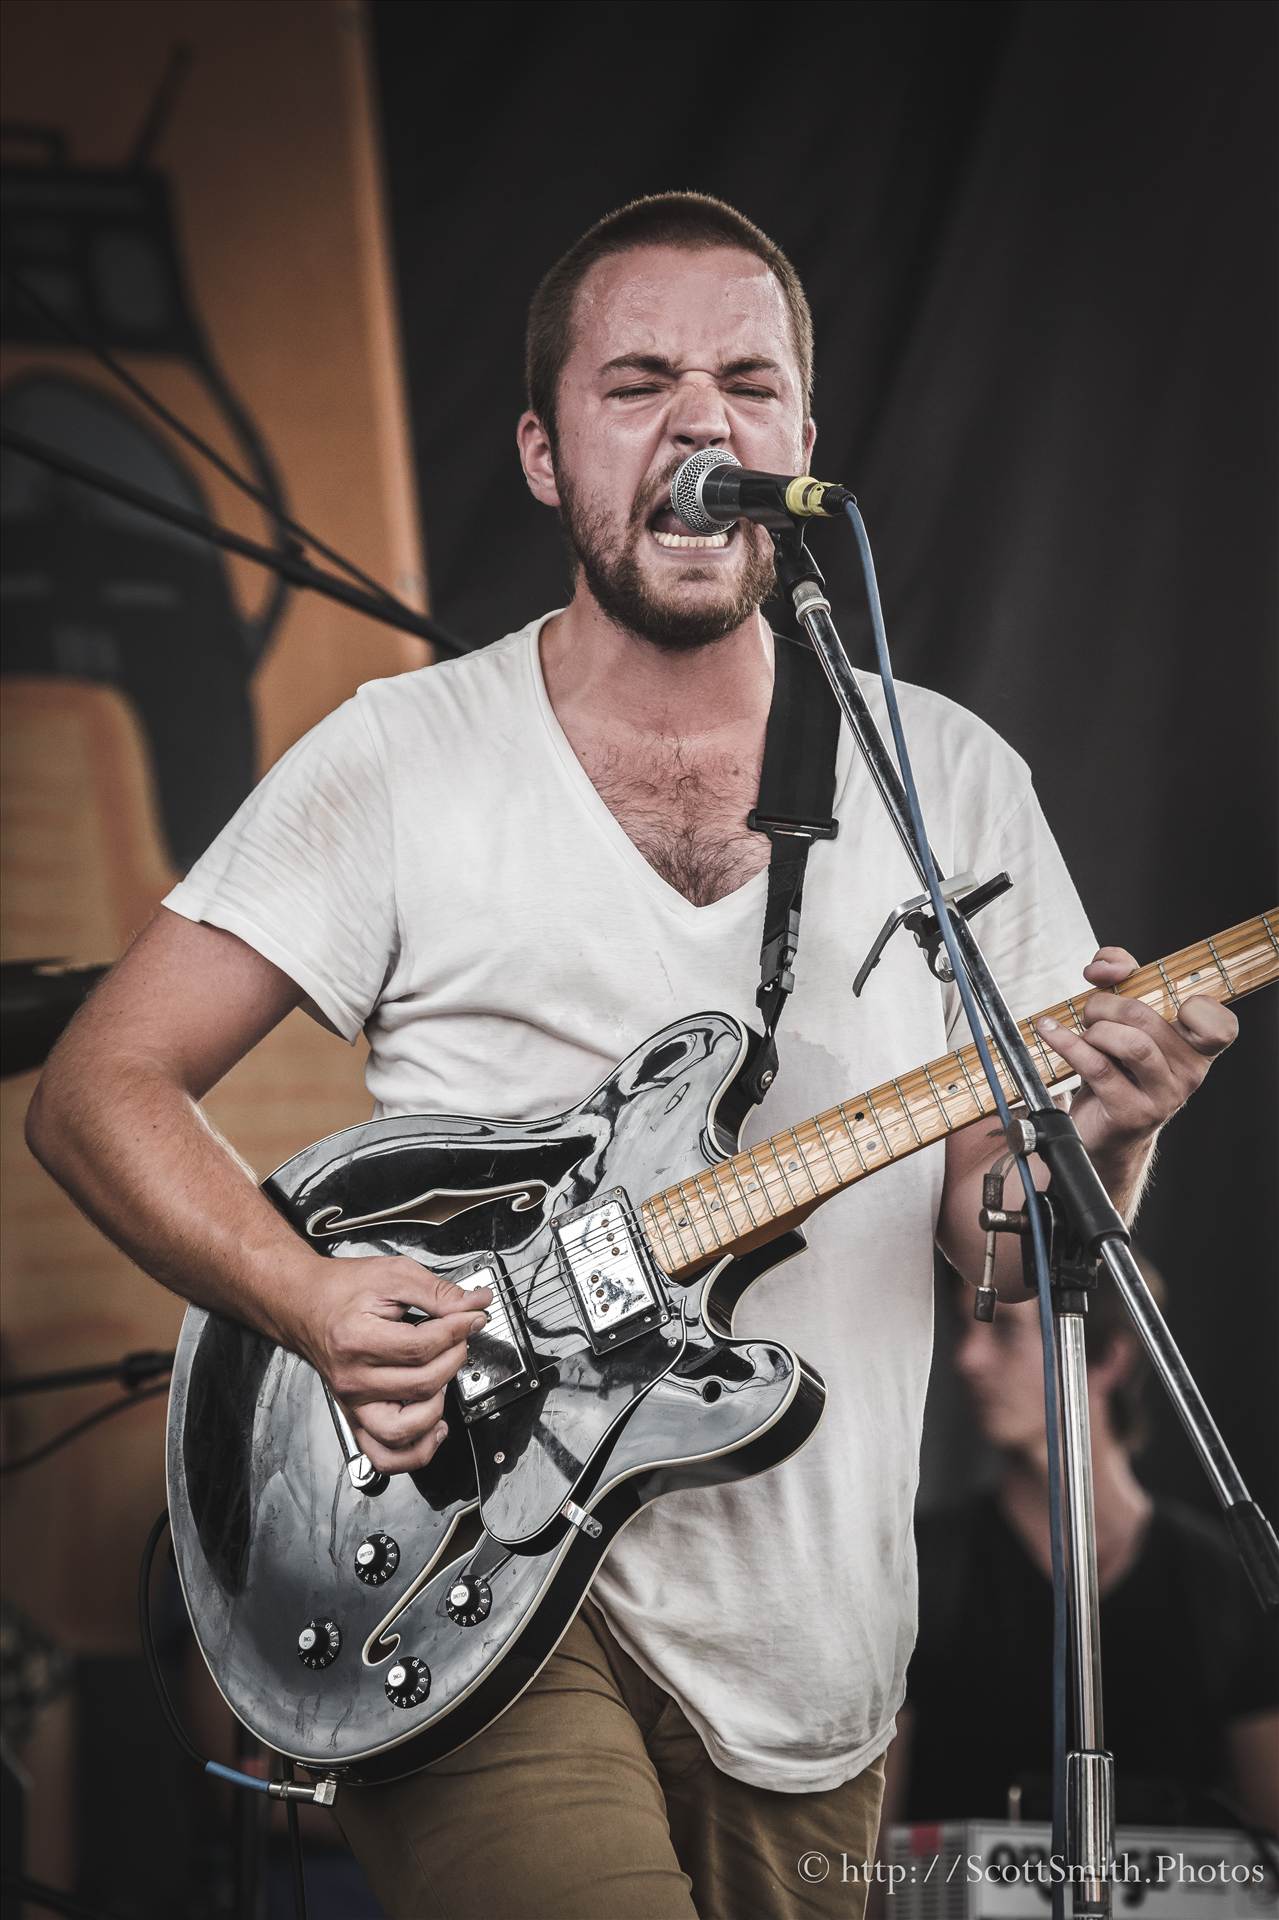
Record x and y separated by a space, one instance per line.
689 220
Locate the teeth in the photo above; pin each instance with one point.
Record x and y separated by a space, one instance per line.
691 539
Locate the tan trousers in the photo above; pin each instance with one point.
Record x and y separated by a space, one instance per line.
593 1798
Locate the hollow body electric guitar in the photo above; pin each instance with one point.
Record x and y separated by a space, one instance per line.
368 1625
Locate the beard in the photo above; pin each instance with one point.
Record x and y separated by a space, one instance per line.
668 619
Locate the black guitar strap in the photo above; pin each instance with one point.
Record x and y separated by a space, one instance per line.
794 808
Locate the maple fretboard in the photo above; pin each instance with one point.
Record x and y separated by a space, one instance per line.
767 1188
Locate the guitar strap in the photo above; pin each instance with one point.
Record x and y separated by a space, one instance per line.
794 808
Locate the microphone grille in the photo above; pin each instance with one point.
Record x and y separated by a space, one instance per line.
686 487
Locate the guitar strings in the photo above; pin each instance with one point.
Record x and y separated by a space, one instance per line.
920 1105
548 1292
544 1293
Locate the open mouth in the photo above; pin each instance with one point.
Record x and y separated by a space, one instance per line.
669 531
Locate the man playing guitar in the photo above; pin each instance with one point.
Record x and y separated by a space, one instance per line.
508 870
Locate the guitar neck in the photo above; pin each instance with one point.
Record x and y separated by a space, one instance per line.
768 1188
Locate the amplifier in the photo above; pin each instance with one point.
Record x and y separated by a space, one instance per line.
1005 1870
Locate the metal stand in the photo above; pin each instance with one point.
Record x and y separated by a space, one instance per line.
1095 1231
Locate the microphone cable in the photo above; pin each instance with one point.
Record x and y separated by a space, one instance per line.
130 1398
1034 1202
284 1789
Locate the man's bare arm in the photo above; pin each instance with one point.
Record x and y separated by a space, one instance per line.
116 1120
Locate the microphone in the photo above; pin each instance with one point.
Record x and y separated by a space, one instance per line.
713 489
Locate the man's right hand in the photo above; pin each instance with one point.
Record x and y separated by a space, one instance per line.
388 1372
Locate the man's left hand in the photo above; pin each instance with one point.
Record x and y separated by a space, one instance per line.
1137 1068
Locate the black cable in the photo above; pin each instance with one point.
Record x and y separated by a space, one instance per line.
149 1653
130 1372
69 1434
193 439
296 1863
34 1894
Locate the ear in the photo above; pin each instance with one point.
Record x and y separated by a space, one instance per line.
810 440
537 459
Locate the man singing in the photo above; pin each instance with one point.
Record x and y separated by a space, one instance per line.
507 871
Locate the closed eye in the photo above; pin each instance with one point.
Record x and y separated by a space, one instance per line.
748 393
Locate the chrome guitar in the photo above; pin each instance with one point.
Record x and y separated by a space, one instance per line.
366 1625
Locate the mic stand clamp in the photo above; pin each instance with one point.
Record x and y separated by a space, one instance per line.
916 914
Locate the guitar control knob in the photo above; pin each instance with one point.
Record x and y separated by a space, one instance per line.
408 1683
468 1600
376 1559
319 1644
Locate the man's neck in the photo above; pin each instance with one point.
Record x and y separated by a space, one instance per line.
1121 1506
598 676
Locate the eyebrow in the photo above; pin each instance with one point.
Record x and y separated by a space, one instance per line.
658 363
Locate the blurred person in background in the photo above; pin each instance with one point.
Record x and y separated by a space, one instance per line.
1190 1664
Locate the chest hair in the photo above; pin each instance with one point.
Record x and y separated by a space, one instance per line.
686 814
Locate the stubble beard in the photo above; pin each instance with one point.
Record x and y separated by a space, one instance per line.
611 567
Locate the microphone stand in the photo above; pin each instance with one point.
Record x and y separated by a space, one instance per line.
1095 1231
291 564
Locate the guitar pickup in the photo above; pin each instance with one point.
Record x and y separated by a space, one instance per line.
612 1274
499 1364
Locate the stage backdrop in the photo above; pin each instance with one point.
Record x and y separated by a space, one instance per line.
1039 242
197 188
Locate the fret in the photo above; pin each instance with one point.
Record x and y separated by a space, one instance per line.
947 1122
684 1186
919 1138
679 1237
821 1135
870 1108
790 1191
1051 1067
803 1161
653 1233
708 1208
1171 990
759 1178
743 1189
1221 967
723 1199
963 1064
1270 932
1076 1016
686 1219
842 1111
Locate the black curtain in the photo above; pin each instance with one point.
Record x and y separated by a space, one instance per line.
1039 242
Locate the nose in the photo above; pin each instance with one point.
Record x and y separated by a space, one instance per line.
697 416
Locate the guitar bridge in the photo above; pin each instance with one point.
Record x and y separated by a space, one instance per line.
612 1274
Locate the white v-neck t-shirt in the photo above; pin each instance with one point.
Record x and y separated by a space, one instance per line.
432 865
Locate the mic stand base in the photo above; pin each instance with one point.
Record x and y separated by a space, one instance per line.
1090 1801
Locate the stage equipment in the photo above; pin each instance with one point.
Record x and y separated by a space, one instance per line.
713 490
1088 1231
366 1624
37 999
1005 1870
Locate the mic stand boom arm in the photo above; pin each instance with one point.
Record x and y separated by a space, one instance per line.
291 564
1097 1229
